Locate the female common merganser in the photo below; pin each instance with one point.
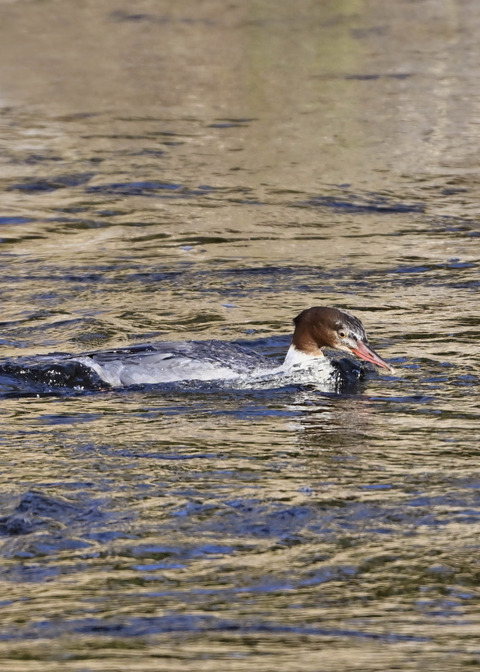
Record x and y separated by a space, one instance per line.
196 361
315 329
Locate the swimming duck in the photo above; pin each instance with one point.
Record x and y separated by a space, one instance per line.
316 328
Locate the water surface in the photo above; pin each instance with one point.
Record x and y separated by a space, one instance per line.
202 170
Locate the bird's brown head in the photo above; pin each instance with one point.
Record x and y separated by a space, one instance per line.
324 327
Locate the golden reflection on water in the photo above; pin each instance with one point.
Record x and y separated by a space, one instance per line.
203 170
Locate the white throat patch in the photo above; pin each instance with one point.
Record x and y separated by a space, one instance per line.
296 357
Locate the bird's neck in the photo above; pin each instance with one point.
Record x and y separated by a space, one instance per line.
296 357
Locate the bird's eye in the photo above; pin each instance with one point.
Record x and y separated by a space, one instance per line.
342 334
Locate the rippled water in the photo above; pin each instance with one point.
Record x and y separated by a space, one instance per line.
207 170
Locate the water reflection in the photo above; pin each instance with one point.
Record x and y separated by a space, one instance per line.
207 171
